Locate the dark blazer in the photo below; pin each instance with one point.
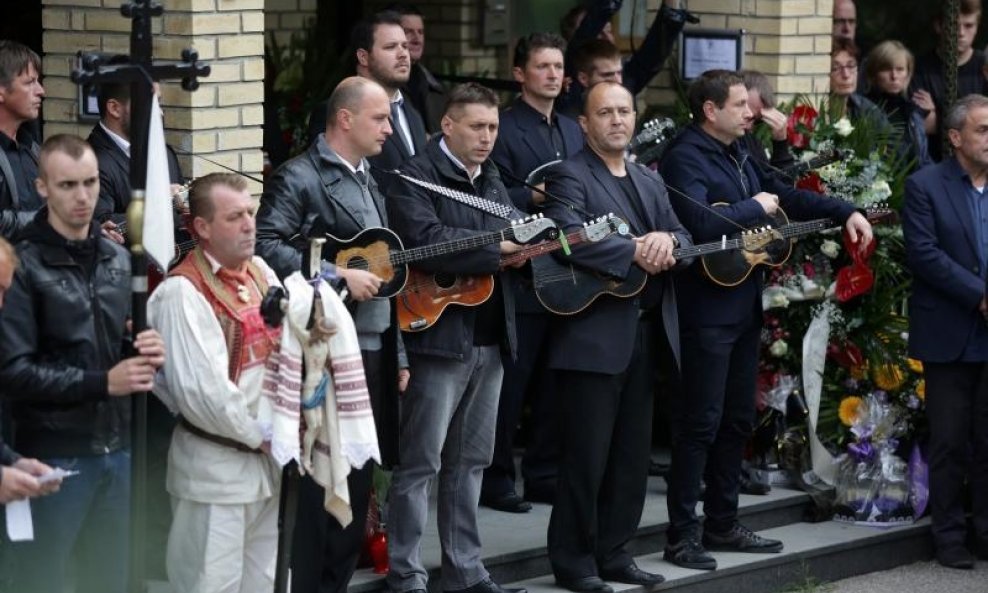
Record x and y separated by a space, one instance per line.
948 274
600 338
427 94
521 147
394 153
303 197
709 172
422 217
114 175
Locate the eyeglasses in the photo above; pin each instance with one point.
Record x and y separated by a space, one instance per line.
835 68
845 22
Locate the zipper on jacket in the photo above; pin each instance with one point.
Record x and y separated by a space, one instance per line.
744 159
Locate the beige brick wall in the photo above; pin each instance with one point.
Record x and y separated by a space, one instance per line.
284 17
221 120
788 40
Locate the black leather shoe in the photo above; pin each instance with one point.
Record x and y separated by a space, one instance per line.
632 575
741 539
955 557
508 502
585 585
488 586
690 553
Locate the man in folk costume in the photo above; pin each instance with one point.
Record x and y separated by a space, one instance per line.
236 388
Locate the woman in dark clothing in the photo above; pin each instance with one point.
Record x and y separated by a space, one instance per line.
889 69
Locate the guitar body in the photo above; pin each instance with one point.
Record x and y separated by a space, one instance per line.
369 250
732 267
426 296
565 289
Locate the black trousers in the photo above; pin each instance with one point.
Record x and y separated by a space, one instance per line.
957 409
713 415
526 377
605 427
325 554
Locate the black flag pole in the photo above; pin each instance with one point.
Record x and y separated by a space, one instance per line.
141 71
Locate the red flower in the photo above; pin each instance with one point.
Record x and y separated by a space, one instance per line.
847 354
800 125
812 182
808 270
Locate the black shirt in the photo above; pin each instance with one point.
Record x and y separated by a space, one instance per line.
548 129
930 77
24 167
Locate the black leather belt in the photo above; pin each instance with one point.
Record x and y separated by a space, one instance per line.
202 434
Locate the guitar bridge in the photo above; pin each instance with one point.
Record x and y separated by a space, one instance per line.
419 323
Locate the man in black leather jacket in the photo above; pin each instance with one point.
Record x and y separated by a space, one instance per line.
327 189
64 329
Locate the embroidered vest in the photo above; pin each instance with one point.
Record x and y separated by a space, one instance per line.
236 301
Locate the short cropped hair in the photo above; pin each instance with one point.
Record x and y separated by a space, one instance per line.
347 95
533 42
363 33
118 91
470 93
200 192
69 144
753 79
966 8
957 114
404 9
712 85
14 59
591 50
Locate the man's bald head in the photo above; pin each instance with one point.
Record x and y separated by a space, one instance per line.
350 95
599 91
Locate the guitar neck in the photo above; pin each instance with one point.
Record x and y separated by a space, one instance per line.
415 254
789 231
573 238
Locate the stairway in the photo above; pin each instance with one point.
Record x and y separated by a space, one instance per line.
515 553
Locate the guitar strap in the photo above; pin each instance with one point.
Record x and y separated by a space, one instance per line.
477 202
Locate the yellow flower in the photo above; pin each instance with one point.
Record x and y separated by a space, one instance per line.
888 376
921 389
859 371
850 409
915 366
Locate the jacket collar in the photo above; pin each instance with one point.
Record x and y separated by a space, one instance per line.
958 182
54 247
330 176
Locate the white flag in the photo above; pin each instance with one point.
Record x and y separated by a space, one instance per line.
159 223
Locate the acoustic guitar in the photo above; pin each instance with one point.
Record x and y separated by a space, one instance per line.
426 296
732 267
651 142
380 251
566 289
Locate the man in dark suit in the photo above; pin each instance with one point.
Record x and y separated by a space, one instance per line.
381 53
426 93
945 222
328 189
531 135
599 355
110 140
713 415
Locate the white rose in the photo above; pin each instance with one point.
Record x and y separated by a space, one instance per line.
779 299
843 127
830 248
881 189
779 348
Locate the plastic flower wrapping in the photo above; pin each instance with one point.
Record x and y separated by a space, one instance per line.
834 334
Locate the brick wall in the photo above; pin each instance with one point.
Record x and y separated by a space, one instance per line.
221 120
284 17
788 40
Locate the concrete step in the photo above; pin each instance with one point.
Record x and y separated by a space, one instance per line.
814 552
515 544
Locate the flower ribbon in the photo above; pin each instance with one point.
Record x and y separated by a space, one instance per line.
857 278
800 126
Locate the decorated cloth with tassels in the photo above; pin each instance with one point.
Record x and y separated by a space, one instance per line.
340 433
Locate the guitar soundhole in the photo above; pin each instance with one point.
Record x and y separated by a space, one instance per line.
357 263
445 280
